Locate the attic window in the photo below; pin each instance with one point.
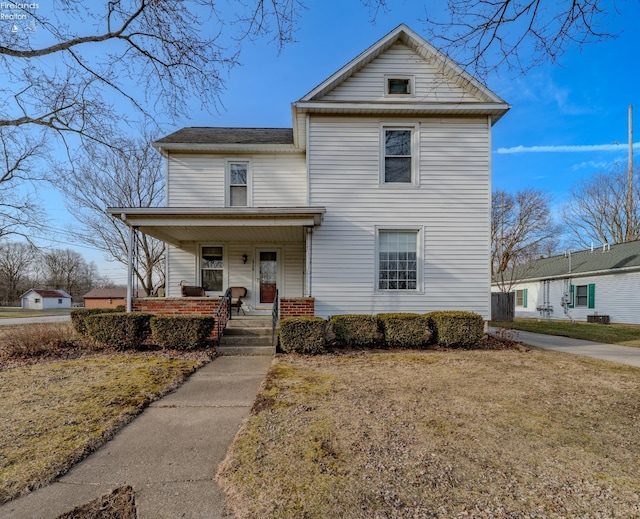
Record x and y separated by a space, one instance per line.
398 86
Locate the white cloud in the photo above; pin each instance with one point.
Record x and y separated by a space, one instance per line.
566 149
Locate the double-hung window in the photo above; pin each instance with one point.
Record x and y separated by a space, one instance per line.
212 268
398 155
398 261
238 184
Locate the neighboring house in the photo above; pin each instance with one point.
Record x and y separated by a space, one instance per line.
376 200
44 299
105 298
603 283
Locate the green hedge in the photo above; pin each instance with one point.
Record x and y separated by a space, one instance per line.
182 332
119 330
78 316
462 329
303 335
405 330
355 330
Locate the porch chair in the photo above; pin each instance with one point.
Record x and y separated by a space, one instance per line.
237 293
191 291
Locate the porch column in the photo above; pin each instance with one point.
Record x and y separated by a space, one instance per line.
130 269
307 258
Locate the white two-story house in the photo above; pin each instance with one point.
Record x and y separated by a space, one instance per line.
376 200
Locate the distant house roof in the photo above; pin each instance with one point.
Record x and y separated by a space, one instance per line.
106 293
45 292
607 259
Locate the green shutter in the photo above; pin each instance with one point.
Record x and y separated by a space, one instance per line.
592 295
571 296
524 297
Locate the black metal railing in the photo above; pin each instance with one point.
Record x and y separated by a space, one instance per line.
223 315
275 315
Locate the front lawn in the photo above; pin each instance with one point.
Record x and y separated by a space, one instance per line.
439 434
625 335
61 400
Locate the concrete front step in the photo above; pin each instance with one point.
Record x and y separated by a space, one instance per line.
247 335
246 332
248 340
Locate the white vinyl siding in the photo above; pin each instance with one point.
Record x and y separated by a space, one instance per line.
369 84
198 180
616 295
451 206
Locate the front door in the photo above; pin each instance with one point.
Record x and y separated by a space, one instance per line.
267 276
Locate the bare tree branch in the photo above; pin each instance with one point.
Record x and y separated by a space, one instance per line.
597 210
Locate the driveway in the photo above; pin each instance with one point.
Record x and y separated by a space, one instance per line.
611 352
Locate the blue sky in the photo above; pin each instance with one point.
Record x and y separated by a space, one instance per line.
563 126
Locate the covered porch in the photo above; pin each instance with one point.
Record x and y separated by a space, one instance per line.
264 250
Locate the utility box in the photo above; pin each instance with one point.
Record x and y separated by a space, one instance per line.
600 319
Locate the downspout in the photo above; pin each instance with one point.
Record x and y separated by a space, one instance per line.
308 253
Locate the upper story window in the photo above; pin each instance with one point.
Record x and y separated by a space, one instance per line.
238 184
398 86
398 156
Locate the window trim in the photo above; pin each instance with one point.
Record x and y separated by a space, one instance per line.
225 267
419 259
524 297
408 77
227 181
414 128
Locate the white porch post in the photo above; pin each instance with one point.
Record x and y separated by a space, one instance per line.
130 269
307 257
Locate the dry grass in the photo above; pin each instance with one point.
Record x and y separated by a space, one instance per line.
481 434
53 412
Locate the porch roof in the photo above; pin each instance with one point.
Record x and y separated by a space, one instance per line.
179 225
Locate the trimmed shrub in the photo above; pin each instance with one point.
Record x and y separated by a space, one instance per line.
462 329
78 315
122 331
355 330
405 330
182 332
303 335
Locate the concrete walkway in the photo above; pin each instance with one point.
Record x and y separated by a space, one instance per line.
169 454
612 352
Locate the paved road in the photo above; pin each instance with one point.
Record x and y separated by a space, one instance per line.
32 320
611 352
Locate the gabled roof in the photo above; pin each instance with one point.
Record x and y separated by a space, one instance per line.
487 100
47 293
608 259
403 34
220 138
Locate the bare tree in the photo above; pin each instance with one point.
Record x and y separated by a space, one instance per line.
597 210
483 35
522 229
16 262
128 175
73 71
67 270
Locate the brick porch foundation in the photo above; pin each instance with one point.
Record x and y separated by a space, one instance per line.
297 307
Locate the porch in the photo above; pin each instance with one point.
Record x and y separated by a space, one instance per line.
264 250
